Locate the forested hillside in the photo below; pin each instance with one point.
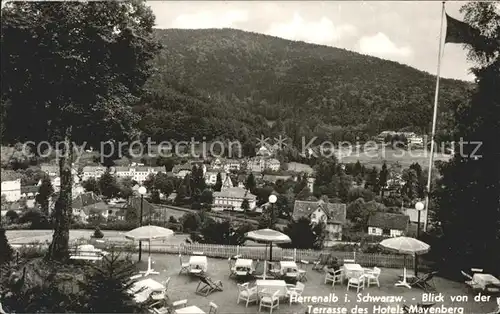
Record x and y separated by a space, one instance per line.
231 83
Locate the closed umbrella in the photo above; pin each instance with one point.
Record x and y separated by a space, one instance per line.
405 245
268 236
148 233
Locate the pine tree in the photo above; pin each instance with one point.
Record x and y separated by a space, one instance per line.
91 185
250 183
245 206
5 248
108 185
45 192
372 181
383 176
468 192
218 183
105 287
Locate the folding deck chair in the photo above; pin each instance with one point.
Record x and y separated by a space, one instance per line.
426 282
206 286
320 263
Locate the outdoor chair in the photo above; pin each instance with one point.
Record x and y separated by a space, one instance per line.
232 269
134 277
213 308
303 271
358 283
334 277
184 266
247 294
206 286
274 269
320 262
294 291
269 301
179 304
161 295
372 276
426 282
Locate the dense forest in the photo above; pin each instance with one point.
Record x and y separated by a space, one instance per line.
226 83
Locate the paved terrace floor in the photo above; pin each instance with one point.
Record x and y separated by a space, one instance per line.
184 287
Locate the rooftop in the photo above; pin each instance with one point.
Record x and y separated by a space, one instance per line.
336 212
235 192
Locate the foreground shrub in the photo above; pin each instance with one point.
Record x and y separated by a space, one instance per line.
6 250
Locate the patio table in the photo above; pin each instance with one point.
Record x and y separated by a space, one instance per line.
484 280
193 309
271 286
198 264
353 270
289 267
243 267
149 285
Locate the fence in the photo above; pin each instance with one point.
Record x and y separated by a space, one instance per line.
260 252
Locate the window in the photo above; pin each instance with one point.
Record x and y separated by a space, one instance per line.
313 216
386 231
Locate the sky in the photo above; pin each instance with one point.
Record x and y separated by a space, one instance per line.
402 31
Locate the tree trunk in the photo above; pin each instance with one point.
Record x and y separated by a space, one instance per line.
59 248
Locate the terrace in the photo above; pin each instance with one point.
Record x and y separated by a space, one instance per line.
183 286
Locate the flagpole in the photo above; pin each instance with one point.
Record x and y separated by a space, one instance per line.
434 119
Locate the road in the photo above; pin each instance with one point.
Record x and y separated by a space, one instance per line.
30 236
19 237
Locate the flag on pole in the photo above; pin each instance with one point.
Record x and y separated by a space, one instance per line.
458 32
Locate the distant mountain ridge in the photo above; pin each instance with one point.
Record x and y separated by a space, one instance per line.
252 78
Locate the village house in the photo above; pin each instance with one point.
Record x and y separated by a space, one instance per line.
310 183
138 174
413 222
29 192
81 205
256 164
416 140
211 177
259 164
94 172
12 190
388 224
231 197
53 173
382 136
334 216
264 152
271 178
273 164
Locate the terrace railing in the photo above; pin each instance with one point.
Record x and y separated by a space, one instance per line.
260 252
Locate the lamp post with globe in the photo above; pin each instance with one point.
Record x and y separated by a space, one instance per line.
419 206
272 200
142 191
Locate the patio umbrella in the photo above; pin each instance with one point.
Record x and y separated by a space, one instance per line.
268 236
405 245
148 233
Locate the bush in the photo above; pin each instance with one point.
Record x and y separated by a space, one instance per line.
5 248
172 219
37 220
98 233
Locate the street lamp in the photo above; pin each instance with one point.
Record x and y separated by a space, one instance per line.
272 199
419 206
142 191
